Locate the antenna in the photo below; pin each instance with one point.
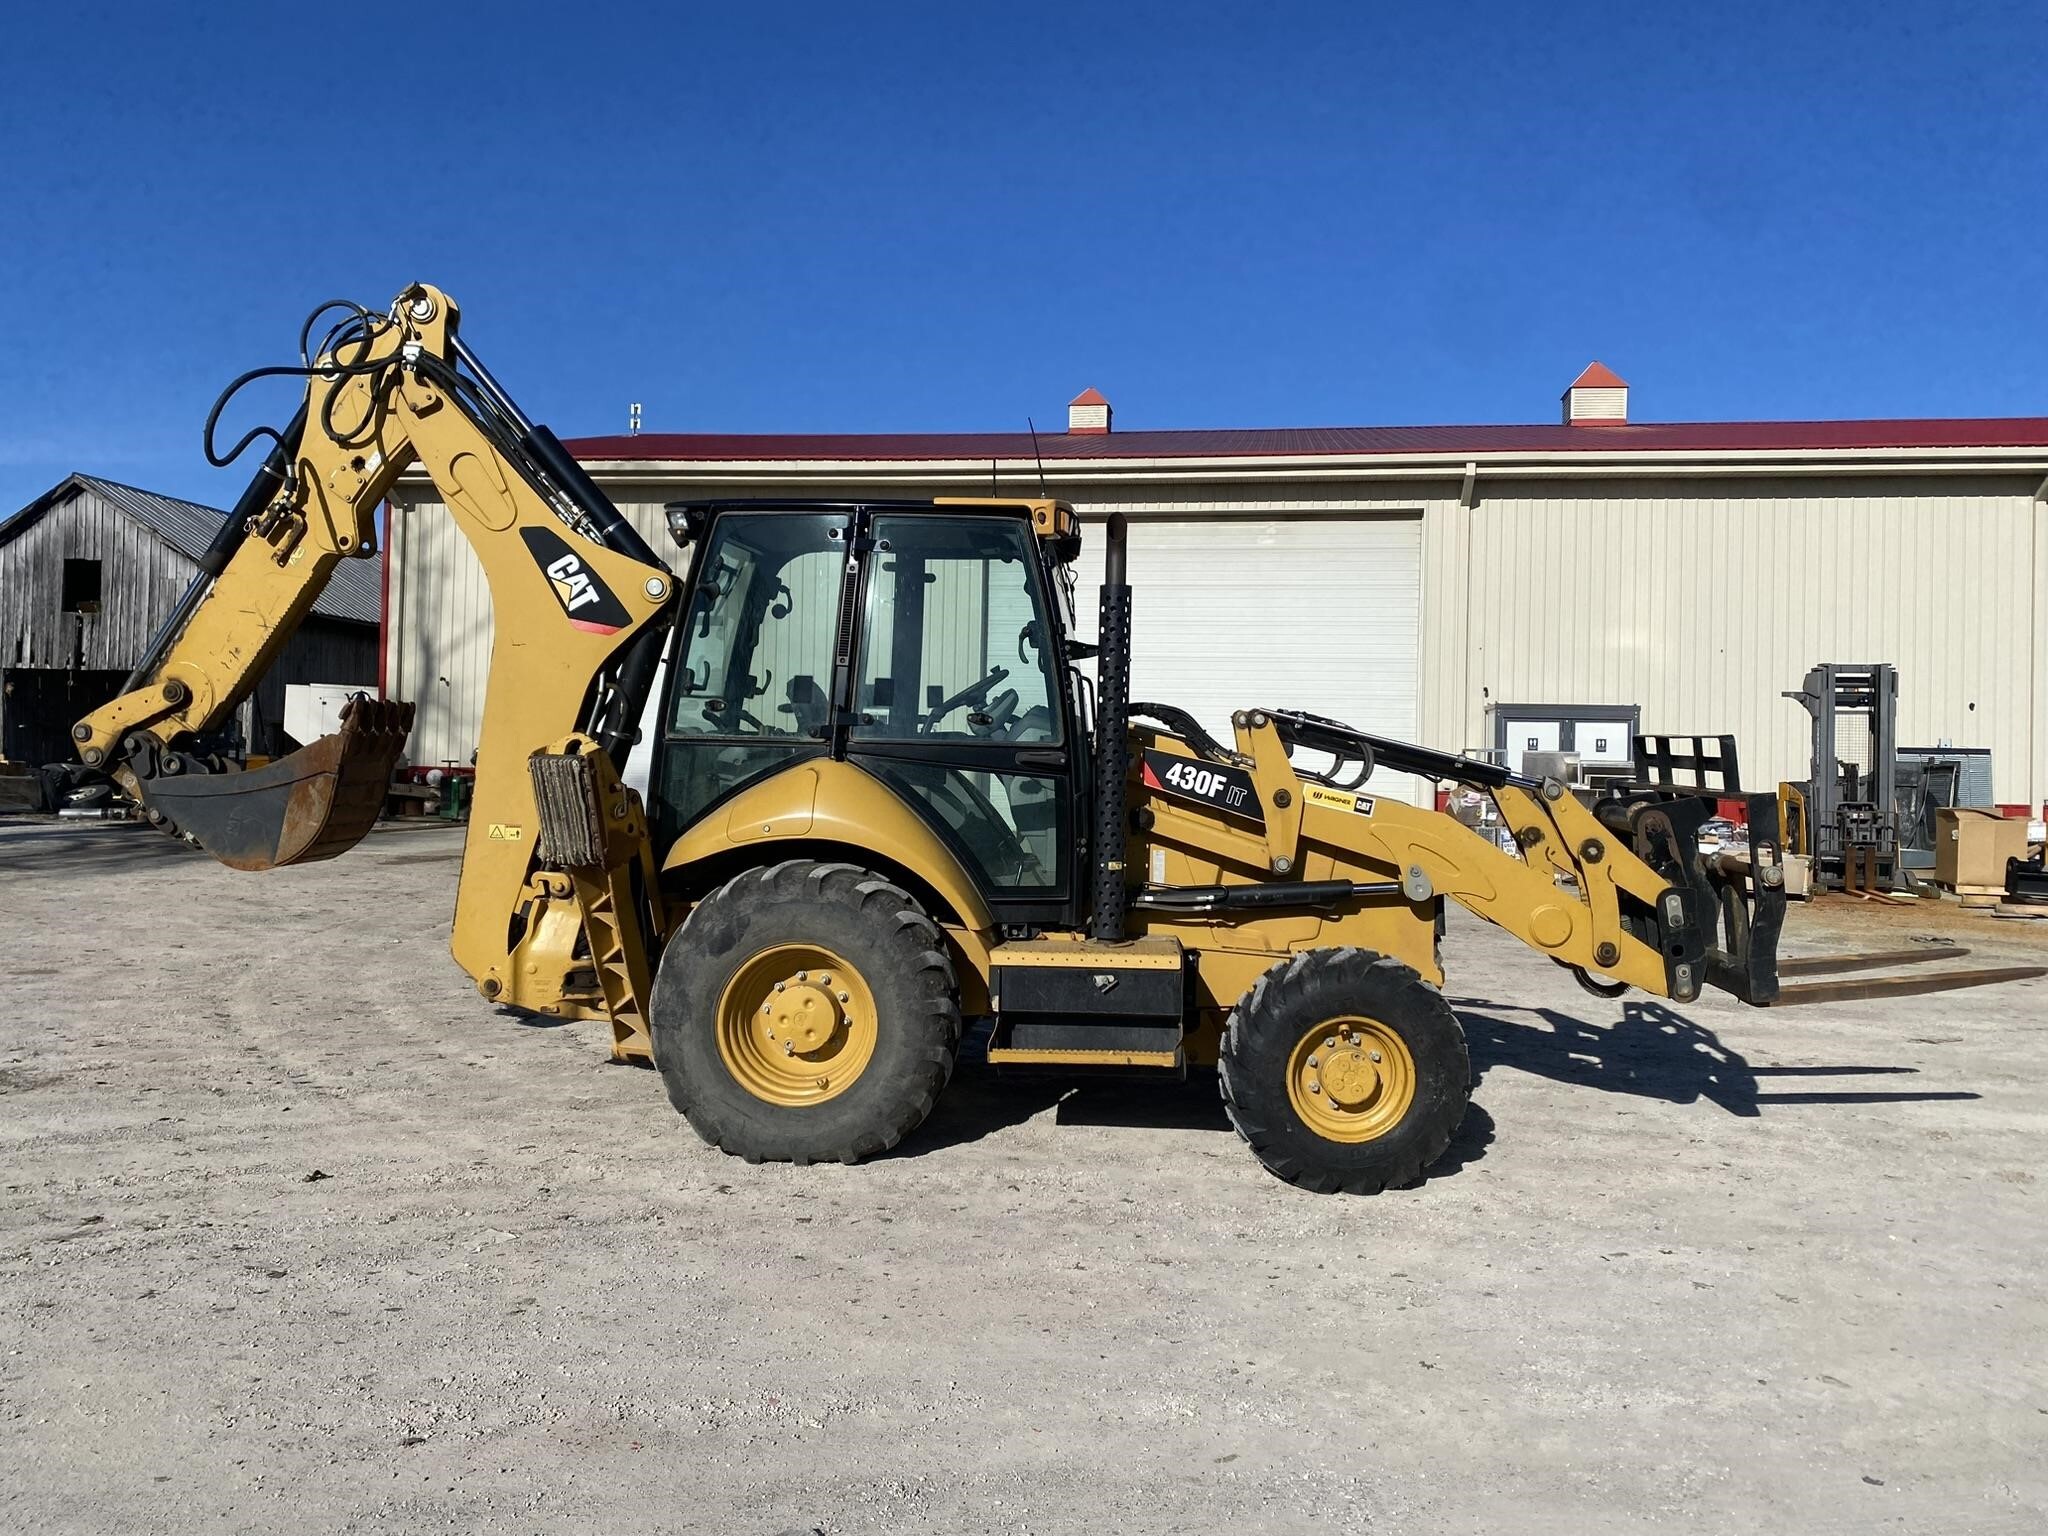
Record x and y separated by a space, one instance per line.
633 418
992 490
1036 454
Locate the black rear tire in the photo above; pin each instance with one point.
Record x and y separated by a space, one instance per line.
1282 1016
882 936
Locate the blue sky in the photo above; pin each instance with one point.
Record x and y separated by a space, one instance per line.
936 217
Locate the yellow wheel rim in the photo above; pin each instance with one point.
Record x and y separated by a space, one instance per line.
1351 1079
796 1025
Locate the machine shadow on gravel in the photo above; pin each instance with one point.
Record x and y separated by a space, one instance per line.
1654 1052
980 1101
113 848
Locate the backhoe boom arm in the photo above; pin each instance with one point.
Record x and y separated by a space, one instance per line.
579 599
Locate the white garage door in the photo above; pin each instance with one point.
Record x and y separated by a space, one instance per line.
1315 613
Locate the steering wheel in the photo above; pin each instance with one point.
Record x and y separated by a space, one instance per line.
714 707
973 693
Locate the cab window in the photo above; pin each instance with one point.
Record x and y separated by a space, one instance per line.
757 649
955 644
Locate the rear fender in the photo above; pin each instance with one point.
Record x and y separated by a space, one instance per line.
822 801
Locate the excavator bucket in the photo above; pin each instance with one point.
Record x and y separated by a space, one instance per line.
312 805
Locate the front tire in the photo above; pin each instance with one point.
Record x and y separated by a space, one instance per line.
806 1013
1344 1071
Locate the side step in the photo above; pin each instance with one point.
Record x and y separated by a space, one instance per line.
1081 1003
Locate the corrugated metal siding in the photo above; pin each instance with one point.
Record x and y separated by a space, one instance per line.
141 578
1701 601
440 625
1698 599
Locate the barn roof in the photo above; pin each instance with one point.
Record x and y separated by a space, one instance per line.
354 593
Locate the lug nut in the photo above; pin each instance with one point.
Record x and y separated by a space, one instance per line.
1330 1044
803 975
778 986
1312 1061
846 997
1315 1087
824 978
1375 1055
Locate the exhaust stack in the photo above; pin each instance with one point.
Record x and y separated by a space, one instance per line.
1112 739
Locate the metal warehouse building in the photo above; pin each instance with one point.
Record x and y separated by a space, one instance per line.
1464 587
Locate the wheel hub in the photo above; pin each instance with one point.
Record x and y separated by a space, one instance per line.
802 1016
1349 1077
796 1025
1351 1080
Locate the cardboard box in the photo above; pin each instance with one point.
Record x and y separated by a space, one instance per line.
1972 845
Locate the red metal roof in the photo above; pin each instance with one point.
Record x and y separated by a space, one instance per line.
1598 376
1665 437
1090 396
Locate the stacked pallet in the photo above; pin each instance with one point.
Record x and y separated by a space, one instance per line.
1975 896
1970 850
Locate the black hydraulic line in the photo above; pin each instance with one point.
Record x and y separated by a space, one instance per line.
489 387
1296 894
532 448
263 487
637 667
608 523
546 452
1187 728
1330 736
1112 739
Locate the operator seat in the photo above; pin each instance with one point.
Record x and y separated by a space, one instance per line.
808 704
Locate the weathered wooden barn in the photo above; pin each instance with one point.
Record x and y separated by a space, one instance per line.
87 572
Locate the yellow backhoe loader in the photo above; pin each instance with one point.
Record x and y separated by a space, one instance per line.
884 799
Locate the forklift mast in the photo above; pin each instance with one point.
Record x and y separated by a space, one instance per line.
1850 794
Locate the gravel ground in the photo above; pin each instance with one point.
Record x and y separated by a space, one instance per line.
299 1234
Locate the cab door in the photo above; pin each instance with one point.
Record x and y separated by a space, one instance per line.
751 673
958 701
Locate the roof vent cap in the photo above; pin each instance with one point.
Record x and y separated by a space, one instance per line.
1088 414
1597 398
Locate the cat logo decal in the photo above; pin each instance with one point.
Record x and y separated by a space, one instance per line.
584 597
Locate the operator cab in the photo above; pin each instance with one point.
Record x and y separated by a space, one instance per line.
924 642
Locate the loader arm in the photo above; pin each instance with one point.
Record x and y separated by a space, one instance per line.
1630 901
1619 890
580 606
